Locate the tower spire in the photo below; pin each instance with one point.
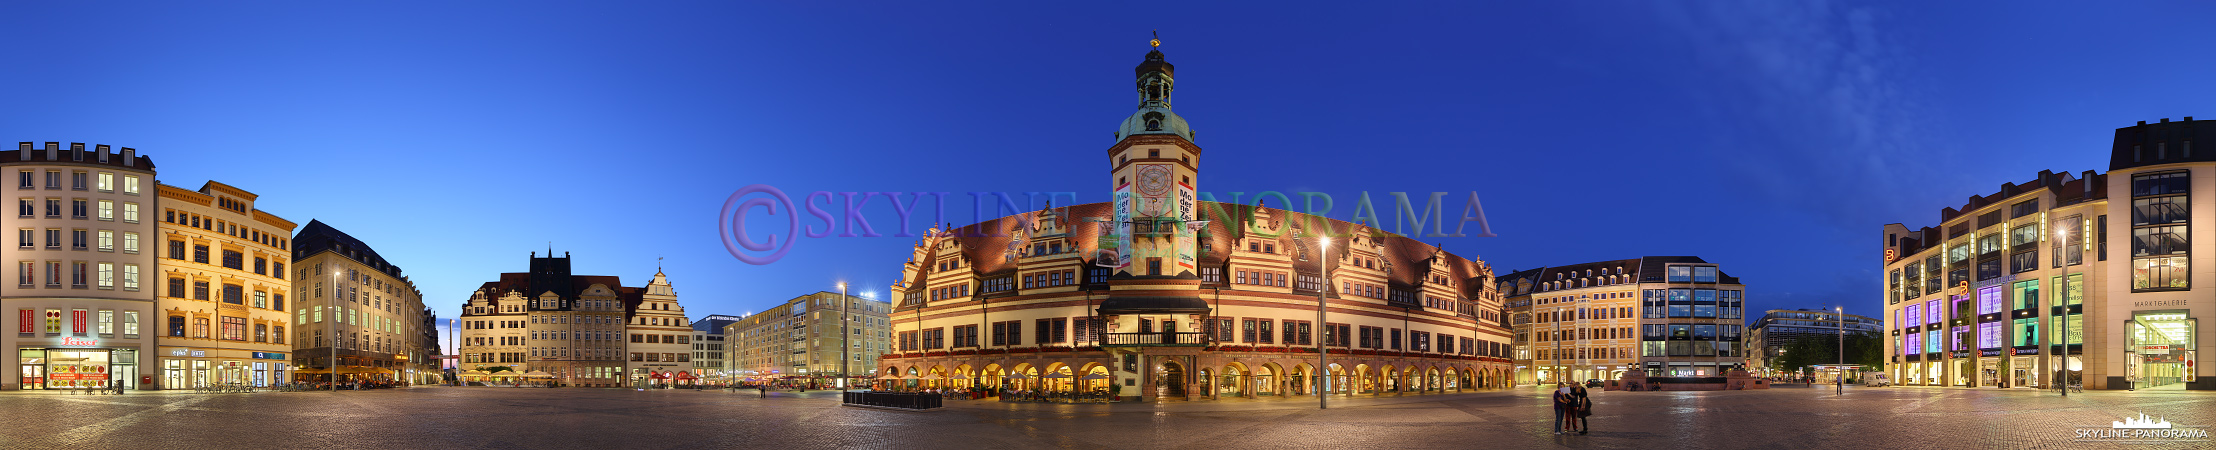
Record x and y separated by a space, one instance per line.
1157 42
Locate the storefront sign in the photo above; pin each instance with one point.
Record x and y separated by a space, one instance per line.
199 353
28 324
2147 303
1989 353
179 352
2154 349
80 342
268 355
77 320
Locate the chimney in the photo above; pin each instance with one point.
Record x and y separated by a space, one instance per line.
2165 120
2142 122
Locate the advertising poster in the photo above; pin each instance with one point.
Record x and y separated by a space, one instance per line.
1188 229
1122 238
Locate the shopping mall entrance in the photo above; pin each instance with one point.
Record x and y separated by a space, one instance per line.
2161 352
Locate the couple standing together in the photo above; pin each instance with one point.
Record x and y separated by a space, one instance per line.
1571 406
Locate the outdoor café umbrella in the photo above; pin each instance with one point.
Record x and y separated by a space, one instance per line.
1094 376
1056 376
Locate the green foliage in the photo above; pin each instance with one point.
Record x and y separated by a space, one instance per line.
1864 349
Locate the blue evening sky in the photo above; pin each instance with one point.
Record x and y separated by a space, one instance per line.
1772 137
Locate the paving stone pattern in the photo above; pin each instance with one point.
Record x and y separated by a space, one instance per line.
503 418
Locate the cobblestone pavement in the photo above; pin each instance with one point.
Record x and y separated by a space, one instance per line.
449 417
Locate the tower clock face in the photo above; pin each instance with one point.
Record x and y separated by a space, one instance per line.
1154 180
1154 190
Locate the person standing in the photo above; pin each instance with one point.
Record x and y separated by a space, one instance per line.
1841 382
1581 406
1561 407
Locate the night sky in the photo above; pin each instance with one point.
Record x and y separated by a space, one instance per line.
1771 137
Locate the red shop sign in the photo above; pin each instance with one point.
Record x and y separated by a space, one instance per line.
77 320
26 325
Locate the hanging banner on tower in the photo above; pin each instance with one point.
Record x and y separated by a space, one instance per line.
1187 228
1122 237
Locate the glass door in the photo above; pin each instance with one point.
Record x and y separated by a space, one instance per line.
173 374
2161 342
34 369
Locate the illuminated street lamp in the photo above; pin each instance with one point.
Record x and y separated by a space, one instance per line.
1323 264
844 335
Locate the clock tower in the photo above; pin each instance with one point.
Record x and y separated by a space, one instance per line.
1153 167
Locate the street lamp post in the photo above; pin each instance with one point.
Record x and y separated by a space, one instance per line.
1842 311
333 326
1323 360
843 335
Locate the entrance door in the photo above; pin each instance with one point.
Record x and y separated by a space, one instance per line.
1169 380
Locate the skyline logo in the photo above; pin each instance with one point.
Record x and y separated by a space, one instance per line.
843 214
2142 429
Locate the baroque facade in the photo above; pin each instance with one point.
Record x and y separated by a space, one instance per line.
1163 295
546 325
222 270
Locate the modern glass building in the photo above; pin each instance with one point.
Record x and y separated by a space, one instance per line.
2083 278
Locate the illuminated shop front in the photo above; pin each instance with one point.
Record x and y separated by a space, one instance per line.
75 348
188 367
77 368
2161 352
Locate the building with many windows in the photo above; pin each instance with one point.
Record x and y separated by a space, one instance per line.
223 303
799 339
709 349
661 338
84 318
1781 328
355 313
2085 278
546 325
1168 295
1666 315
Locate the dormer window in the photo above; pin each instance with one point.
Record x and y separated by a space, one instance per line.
1153 121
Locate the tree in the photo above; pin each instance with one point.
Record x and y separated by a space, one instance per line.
1862 348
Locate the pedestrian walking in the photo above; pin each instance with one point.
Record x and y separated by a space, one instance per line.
1842 383
1581 406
